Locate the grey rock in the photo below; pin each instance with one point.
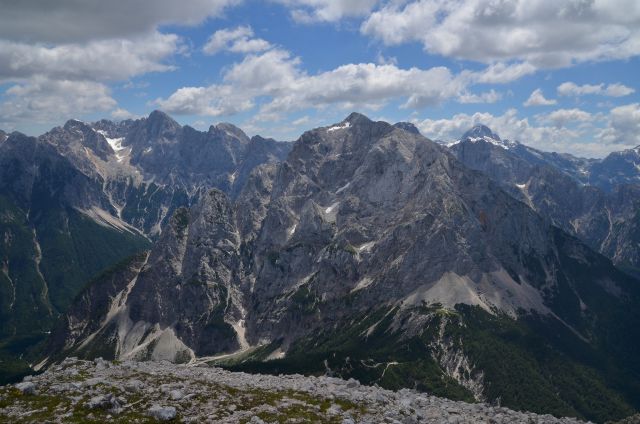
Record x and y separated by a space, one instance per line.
26 387
176 394
162 413
229 385
134 386
554 186
102 402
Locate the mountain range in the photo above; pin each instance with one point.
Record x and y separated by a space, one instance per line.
481 270
594 200
81 198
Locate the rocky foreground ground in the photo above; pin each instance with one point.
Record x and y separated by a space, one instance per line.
79 391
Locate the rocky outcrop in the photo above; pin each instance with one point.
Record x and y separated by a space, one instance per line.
128 391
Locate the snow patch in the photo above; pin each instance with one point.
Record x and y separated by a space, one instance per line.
505 144
116 145
339 127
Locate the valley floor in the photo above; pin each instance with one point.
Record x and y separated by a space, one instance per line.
79 391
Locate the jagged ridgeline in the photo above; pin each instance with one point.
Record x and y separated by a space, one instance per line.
372 252
595 200
79 200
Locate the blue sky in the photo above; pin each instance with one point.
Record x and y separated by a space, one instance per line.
560 76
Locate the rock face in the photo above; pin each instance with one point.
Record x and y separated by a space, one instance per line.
69 390
616 169
152 166
605 220
372 252
193 278
85 196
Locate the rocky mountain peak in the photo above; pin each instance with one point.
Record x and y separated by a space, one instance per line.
480 131
74 137
74 124
483 133
407 126
230 130
357 118
3 136
159 123
159 116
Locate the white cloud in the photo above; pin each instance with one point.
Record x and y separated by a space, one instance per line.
542 33
61 77
237 40
510 126
276 81
122 114
56 53
115 59
490 96
301 121
537 99
618 90
64 21
612 90
42 100
561 117
623 127
308 11
501 73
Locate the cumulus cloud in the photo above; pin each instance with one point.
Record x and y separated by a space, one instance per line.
96 60
490 96
542 33
277 80
237 40
623 126
612 90
309 11
508 125
56 53
52 83
64 21
121 113
561 117
501 73
42 100
513 127
537 99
